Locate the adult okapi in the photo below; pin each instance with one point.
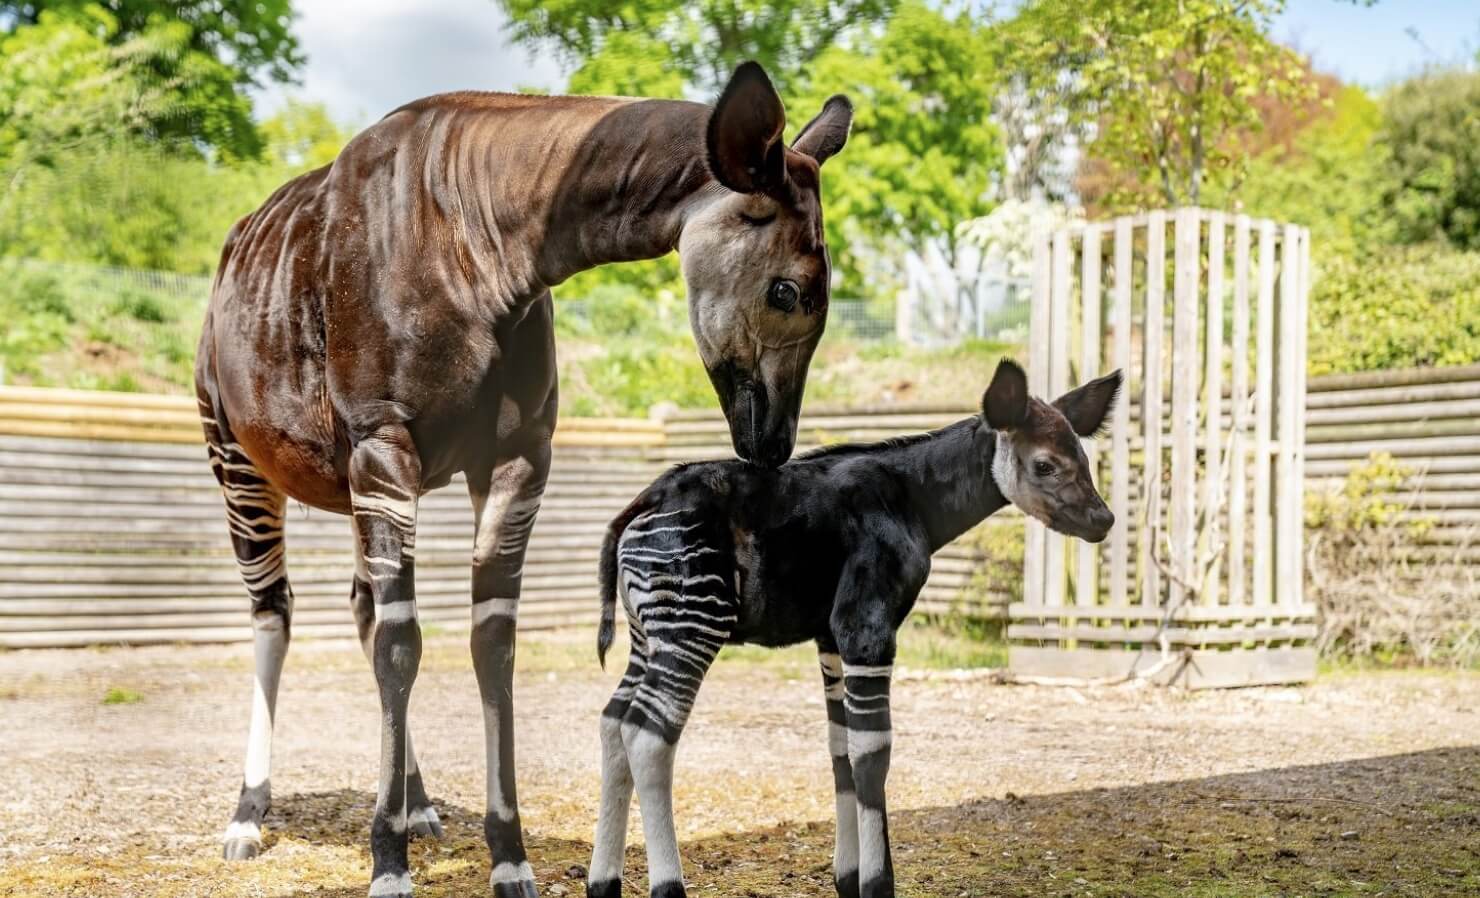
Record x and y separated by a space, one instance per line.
385 322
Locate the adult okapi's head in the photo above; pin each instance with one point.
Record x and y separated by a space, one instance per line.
755 261
1040 465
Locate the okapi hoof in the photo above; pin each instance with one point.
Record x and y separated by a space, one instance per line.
424 822
391 885
607 888
243 841
512 881
241 849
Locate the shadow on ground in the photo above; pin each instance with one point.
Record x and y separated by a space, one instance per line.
1399 825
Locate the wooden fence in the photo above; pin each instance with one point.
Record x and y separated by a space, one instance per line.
111 528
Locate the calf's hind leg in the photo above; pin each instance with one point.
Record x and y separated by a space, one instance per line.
610 844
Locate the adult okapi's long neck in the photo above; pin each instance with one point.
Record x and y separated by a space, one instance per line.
537 189
948 475
626 185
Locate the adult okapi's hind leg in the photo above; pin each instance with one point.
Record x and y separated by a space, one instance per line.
385 482
254 515
421 815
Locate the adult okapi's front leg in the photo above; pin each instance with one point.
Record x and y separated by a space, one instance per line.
421 815
505 502
385 481
845 850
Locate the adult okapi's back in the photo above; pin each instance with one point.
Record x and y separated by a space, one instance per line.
384 323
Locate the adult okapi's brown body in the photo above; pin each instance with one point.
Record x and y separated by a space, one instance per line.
386 322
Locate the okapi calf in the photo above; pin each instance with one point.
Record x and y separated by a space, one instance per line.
833 547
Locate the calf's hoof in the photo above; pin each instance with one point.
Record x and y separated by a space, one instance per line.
391 885
672 889
243 841
607 888
424 822
512 881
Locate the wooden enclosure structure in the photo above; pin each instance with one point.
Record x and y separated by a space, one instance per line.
1201 581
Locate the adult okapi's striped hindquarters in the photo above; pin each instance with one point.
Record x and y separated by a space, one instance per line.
676 585
254 516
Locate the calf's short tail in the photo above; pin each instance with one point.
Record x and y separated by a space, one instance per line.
607 631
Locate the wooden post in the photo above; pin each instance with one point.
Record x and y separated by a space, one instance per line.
1055 571
1038 326
1286 549
1263 408
1212 494
1184 404
1120 440
1239 397
1151 356
1087 570
1299 400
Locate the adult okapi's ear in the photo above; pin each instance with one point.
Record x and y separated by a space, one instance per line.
1005 404
825 135
1089 405
743 139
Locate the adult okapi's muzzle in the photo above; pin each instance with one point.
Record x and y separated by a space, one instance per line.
762 416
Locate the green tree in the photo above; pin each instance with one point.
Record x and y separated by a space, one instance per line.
205 54
1163 82
923 153
1431 133
699 42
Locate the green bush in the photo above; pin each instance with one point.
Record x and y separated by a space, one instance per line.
1431 132
1395 308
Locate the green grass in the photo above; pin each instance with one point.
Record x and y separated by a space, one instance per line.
120 695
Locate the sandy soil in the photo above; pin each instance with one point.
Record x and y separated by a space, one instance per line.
1362 784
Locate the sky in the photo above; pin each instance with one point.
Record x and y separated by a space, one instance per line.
366 57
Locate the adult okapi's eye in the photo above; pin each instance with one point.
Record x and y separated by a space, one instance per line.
1043 468
784 294
754 221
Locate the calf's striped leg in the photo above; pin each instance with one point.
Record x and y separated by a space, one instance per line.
421 815
845 851
254 517
610 843
505 502
870 737
385 481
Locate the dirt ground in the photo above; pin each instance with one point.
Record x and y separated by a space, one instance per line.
1362 784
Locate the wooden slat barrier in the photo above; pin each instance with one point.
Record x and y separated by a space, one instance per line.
111 527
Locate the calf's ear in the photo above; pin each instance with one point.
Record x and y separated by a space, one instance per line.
743 139
1089 405
1005 404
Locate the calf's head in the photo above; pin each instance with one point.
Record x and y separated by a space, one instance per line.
755 261
1040 465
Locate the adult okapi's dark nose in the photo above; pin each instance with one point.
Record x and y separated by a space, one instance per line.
763 432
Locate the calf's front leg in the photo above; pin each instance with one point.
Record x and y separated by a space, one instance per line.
869 739
845 850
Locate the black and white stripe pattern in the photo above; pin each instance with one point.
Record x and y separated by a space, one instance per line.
676 588
254 518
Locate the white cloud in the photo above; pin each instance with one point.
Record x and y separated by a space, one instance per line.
366 58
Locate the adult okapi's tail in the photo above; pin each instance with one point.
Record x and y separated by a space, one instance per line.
608 574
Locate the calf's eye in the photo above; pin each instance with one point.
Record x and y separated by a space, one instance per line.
1043 469
784 294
